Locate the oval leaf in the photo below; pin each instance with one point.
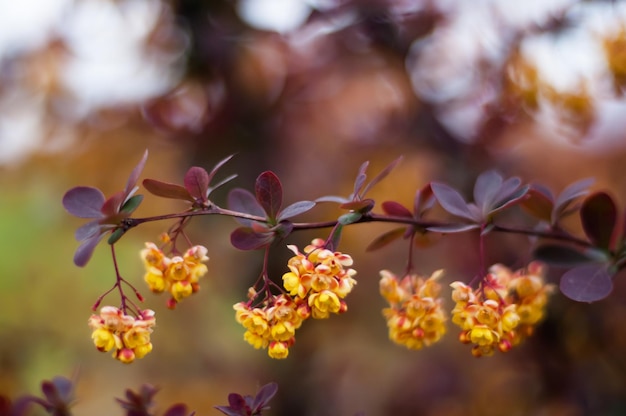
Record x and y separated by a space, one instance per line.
560 255
167 190
386 238
349 218
87 230
244 238
396 209
485 190
113 204
85 250
588 283
243 201
598 215
451 201
131 204
178 409
264 395
294 209
269 193
538 204
197 182
84 202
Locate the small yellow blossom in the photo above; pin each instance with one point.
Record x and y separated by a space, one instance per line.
178 275
415 317
127 336
503 310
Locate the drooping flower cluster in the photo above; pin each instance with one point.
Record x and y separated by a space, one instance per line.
317 283
127 336
272 326
415 316
176 275
320 277
503 311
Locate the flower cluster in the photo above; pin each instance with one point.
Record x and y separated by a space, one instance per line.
415 316
503 310
272 326
320 277
176 275
127 336
317 283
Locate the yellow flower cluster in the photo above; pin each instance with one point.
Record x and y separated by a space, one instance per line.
503 310
127 336
320 277
317 283
272 326
176 275
415 317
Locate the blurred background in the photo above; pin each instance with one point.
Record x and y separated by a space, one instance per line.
309 89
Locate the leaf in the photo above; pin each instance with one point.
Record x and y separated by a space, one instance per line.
87 230
386 238
116 235
396 209
269 193
423 201
511 199
451 201
84 202
218 166
360 179
573 191
598 215
228 411
485 190
219 184
363 206
294 209
236 401
349 218
131 204
113 204
85 250
197 182
167 190
264 395
245 238
134 175
453 228
243 201
538 204
588 283
332 198
560 255
382 175
509 190
178 409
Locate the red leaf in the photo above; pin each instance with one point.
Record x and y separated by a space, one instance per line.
598 214
197 183
396 209
538 205
245 238
167 190
269 193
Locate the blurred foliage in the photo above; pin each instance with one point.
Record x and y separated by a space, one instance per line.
358 80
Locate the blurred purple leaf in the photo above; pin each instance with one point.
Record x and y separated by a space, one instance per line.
360 180
361 206
242 200
85 250
396 209
423 201
269 193
264 395
569 194
453 228
382 175
218 166
84 202
87 230
197 183
245 238
510 199
294 209
134 175
178 409
386 238
113 204
587 283
485 190
167 190
598 215
452 201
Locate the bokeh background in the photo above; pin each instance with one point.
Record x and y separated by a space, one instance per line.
309 89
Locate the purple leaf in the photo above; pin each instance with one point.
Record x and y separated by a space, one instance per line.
113 204
361 206
85 250
264 395
451 201
360 179
269 193
453 228
228 411
386 238
382 175
245 238
575 190
197 183
511 199
87 230
294 209
485 190
243 201
218 166
396 209
167 190
332 198
219 184
134 175
178 409
587 283
598 215
423 201
236 401
84 202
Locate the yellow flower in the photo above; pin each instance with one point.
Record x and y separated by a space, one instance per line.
103 339
278 350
